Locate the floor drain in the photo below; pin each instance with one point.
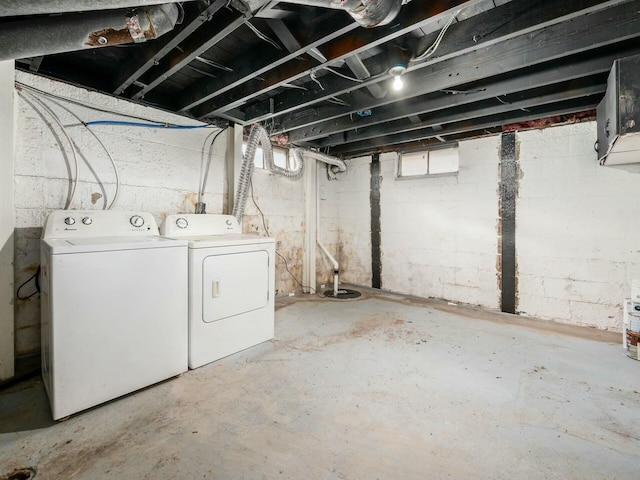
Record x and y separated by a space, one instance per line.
22 474
342 294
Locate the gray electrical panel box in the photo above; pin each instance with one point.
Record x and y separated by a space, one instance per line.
618 115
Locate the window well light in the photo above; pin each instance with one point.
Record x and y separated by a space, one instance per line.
397 72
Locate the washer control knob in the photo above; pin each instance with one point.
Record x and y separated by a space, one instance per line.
182 223
137 221
87 220
69 220
229 222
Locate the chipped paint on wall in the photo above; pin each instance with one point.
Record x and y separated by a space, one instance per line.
578 243
281 200
439 233
345 225
159 172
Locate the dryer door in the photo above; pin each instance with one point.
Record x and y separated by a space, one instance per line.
233 284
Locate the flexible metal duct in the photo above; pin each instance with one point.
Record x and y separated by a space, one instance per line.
23 38
368 13
246 171
334 165
13 8
257 136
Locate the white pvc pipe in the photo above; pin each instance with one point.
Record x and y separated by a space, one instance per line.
334 262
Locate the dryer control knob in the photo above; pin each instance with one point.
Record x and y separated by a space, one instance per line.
137 221
182 223
69 220
87 220
229 222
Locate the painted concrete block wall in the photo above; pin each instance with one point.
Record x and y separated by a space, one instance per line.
7 219
345 224
282 202
160 172
577 241
440 234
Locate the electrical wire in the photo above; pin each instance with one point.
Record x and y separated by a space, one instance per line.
206 170
460 92
335 72
23 86
286 265
35 276
55 118
262 36
314 75
113 163
291 85
338 101
148 125
315 79
432 49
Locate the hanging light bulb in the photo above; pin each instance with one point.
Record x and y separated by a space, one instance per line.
396 72
397 83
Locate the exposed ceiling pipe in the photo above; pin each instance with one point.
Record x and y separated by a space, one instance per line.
31 37
368 13
13 8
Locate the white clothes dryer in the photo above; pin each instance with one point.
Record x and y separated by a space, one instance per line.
231 285
114 307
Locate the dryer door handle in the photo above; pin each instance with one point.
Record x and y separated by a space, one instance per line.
215 289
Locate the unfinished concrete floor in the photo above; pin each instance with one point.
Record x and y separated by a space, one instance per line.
378 388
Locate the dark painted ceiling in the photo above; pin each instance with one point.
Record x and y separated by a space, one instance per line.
318 77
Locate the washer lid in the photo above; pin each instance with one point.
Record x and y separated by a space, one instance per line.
106 244
207 241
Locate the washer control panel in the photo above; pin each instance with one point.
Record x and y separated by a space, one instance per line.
99 223
196 224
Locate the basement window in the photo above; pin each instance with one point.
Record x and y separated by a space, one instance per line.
439 161
280 157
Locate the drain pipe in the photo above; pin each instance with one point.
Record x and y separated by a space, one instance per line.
46 35
334 262
334 165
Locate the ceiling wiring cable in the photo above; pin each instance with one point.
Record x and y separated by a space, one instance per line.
460 92
74 179
208 166
338 101
113 163
336 72
286 265
24 86
432 49
148 125
314 77
262 36
291 85
36 277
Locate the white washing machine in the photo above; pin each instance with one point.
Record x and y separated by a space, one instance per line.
231 285
114 307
